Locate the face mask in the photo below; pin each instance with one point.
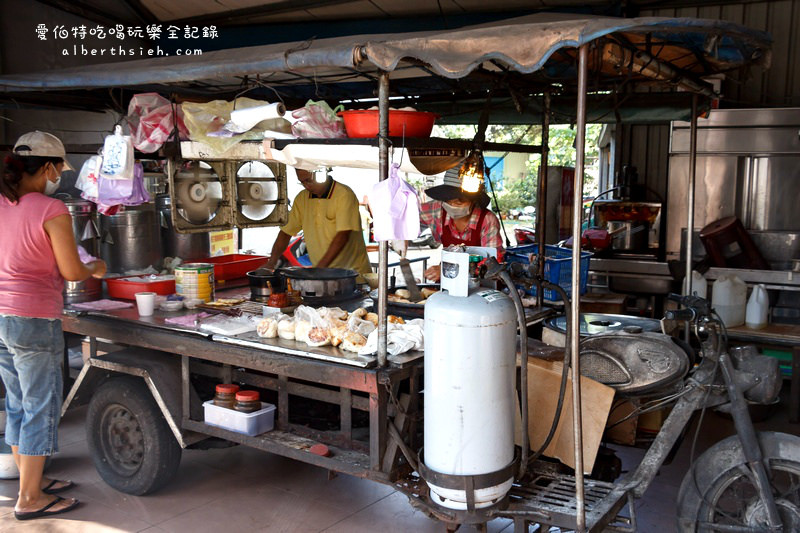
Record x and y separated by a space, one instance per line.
51 187
457 212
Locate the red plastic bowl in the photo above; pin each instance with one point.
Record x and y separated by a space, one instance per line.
364 123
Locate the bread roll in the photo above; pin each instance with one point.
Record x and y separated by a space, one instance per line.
286 329
267 328
337 334
427 292
360 312
302 327
319 337
395 319
353 342
372 317
403 293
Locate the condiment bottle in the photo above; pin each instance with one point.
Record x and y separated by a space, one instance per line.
294 296
226 395
247 401
279 299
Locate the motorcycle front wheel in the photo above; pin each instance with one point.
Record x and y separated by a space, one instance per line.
718 490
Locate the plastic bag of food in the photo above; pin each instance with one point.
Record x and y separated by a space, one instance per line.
359 325
316 120
88 176
117 156
395 209
151 118
202 119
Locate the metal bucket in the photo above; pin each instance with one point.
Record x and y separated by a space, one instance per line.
187 246
130 240
84 228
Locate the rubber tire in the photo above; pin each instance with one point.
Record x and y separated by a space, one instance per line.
161 455
717 463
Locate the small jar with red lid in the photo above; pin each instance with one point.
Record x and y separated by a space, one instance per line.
247 401
225 395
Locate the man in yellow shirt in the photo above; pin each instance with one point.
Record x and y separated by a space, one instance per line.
327 213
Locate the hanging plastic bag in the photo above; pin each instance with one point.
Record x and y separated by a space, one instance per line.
124 192
316 120
87 179
117 156
395 208
152 120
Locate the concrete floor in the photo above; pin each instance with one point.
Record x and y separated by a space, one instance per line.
240 489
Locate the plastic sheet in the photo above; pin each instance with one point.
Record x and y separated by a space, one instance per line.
395 209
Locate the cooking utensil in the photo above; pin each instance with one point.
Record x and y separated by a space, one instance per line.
411 283
405 310
260 281
322 282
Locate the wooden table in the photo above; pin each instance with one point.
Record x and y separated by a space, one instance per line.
785 336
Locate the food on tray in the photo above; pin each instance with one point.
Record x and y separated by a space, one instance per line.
319 337
395 319
333 313
338 333
267 328
360 312
225 302
301 329
426 292
364 327
286 329
403 293
372 317
353 342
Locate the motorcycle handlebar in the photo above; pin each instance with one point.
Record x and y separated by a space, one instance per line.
680 314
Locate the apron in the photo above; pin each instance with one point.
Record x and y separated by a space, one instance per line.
448 238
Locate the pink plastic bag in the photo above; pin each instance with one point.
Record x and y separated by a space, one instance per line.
123 192
316 120
152 120
395 208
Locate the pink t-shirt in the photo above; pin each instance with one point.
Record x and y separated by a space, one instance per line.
30 283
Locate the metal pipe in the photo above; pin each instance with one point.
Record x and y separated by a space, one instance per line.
383 173
541 196
574 333
690 217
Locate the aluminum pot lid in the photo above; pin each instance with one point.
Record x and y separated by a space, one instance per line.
78 205
321 274
598 323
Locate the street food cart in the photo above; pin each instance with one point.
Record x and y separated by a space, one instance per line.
523 70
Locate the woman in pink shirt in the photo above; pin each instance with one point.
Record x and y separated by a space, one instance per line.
38 254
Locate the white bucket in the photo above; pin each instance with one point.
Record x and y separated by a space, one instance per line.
757 308
729 300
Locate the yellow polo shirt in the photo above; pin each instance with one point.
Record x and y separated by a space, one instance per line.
322 218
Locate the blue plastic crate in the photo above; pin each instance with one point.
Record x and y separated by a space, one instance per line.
557 267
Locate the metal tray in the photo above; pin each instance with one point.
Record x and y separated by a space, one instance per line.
404 309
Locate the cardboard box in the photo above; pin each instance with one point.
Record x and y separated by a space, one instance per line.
544 379
625 432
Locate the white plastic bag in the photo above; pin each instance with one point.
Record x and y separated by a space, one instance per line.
152 120
395 209
400 338
316 120
87 179
117 156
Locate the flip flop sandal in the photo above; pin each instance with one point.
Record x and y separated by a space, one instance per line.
44 511
49 489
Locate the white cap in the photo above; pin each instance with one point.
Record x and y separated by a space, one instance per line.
41 144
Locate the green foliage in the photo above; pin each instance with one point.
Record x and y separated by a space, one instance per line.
518 193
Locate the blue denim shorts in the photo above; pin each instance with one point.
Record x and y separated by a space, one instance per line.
31 353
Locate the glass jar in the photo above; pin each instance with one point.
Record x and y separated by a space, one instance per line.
226 395
247 401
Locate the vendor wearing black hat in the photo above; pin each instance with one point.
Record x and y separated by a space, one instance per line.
459 217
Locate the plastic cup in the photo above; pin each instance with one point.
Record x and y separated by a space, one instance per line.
145 302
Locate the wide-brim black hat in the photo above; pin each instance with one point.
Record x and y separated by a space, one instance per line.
450 189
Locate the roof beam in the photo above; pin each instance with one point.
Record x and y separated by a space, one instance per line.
80 9
141 11
245 14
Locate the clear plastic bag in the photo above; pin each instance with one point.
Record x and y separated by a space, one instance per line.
316 120
152 120
117 156
87 179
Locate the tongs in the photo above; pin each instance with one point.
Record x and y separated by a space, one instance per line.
411 283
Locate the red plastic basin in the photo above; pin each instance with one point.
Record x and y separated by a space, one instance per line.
364 123
125 288
233 266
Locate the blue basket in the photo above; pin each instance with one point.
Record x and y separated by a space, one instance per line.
557 267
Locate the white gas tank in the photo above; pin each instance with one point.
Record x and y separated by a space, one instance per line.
470 366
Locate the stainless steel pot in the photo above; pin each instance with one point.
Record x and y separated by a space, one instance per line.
188 246
322 282
131 240
84 229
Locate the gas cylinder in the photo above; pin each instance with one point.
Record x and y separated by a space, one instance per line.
470 365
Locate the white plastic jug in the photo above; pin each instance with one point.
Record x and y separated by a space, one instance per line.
729 299
757 308
699 285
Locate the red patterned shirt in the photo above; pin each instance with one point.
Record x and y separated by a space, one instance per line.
430 213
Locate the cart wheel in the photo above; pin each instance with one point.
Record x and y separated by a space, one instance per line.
131 445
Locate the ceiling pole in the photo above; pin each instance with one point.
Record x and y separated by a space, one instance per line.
690 217
383 173
574 324
541 196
